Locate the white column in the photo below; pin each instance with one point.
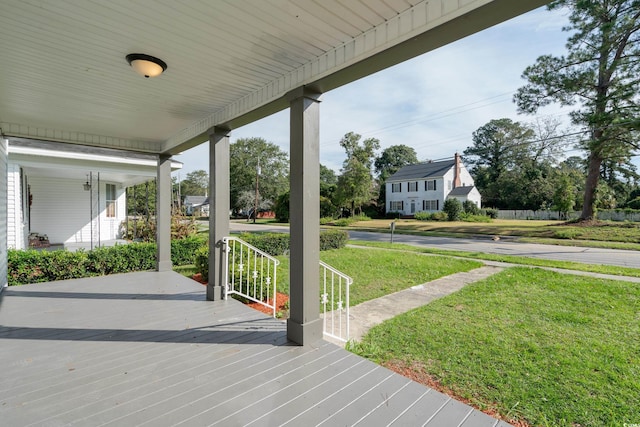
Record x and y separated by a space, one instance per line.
163 213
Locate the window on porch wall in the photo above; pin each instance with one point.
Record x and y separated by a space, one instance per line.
110 197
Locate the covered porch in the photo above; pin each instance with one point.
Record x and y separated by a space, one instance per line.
148 349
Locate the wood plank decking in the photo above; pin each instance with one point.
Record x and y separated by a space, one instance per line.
147 349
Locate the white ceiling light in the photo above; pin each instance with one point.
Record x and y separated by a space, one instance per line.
146 65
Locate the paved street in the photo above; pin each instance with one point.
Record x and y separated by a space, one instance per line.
503 247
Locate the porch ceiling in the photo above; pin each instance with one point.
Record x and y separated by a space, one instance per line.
64 75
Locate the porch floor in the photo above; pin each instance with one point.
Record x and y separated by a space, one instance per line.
147 349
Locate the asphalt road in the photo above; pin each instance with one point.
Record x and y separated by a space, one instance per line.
502 247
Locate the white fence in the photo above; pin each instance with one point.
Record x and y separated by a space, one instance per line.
334 288
250 273
554 215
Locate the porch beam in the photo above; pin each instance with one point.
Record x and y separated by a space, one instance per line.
304 325
163 213
219 201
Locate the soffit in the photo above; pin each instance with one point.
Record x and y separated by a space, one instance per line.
64 75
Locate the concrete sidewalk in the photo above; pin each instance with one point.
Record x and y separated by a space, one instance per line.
373 312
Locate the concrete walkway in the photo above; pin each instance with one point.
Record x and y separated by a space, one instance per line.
370 313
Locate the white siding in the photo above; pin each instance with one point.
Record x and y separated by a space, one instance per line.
3 214
61 209
415 197
17 221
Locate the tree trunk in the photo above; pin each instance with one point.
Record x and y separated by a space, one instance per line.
593 174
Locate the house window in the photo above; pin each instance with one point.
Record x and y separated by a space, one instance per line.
395 206
396 187
430 185
449 185
430 205
111 200
413 186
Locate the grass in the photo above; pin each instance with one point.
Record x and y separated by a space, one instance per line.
534 345
186 270
609 234
521 260
378 273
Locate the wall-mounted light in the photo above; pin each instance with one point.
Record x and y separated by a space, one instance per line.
86 185
146 65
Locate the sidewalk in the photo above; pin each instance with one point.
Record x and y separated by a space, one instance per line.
370 313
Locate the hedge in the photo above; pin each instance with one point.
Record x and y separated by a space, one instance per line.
31 266
274 244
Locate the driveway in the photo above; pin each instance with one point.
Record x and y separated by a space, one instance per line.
503 247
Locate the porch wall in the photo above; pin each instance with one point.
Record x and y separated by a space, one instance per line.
61 209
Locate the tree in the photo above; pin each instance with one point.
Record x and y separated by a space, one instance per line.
356 181
453 209
245 154
599 76
389 162
196 183
498 147
563 197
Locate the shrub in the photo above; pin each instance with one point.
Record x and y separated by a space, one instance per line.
439 216
272 243
326 220
202 262
453 208
566 234
333 239
183 251
491 213
422 216
392 215
343 222
470 208
122 258
281 207
138 229
474 218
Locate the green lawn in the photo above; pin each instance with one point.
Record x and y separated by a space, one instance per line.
566 265
378 273
539 346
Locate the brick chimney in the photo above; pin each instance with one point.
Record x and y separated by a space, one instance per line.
456 173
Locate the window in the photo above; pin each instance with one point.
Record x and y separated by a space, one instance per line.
430 205
412 186
111 200
449 186
396 187
396 206
430 185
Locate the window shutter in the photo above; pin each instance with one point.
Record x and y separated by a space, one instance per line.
402 205
438 204
434 185
425 186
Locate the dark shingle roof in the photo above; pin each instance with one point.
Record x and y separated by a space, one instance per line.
423 170
461 191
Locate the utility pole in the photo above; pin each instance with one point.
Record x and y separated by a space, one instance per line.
255 208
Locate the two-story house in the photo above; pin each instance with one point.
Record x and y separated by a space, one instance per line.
425 186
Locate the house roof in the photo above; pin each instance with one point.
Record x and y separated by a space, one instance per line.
423 170
65 78
461 191
194 200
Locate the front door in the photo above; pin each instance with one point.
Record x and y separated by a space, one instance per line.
413 206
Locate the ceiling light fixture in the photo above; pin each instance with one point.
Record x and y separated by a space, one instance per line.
146 65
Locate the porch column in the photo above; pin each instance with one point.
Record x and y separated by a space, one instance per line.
304 325
219 201
163 213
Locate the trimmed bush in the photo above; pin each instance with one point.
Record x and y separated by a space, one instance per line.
183 251
333 239
272 243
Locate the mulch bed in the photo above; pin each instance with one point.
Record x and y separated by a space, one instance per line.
281 300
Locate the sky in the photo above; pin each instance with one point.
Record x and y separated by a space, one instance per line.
432 103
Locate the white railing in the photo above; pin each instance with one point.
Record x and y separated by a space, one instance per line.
250 273
334 288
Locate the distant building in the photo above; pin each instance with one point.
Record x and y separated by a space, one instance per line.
426 186
196 205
